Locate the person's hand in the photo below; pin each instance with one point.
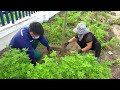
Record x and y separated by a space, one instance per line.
80 51
65 44
49 50
33 62
41 61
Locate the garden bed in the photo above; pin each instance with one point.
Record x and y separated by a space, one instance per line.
55 27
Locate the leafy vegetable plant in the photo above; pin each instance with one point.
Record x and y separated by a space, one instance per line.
16 65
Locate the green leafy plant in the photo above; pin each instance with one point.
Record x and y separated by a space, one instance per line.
13 62
118 61
55 27
113 44
114 21
16 65
81 66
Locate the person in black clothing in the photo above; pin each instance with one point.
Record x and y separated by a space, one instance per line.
86 40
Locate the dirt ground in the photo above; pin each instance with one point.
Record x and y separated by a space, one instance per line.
114 32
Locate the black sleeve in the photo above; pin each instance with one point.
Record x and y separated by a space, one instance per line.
76 36
88 38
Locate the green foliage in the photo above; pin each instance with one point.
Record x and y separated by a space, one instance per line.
13 64
118 61
113 43
114 21
16 65
55 27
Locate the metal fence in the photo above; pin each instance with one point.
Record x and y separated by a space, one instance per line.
11 16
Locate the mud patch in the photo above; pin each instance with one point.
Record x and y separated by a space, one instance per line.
115 72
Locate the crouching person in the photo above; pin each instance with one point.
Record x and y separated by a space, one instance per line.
29 37
86 40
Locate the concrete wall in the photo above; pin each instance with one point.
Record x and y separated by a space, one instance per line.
8 31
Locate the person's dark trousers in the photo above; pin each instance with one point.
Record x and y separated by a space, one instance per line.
97 50
38 55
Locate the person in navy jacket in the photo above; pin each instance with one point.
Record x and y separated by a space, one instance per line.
28 37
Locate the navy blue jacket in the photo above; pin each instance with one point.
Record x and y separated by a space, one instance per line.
22 39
